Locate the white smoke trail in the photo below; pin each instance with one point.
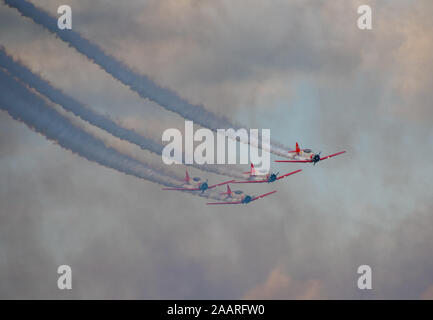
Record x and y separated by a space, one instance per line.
25 106
45 88
141 84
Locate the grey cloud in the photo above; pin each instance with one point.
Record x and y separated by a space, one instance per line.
338 87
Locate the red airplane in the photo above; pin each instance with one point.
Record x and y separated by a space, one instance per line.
306 155
239 197
195 184
267 177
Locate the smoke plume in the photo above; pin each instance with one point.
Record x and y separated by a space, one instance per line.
139 83
25 106
70 104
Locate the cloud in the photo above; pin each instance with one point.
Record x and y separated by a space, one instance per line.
280 286
428 293
301 68
413 77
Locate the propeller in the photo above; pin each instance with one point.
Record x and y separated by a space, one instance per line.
206 185
316 158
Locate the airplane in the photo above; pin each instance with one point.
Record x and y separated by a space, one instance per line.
195 184
307 155
240 197
267 177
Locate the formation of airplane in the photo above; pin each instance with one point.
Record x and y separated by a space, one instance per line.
307 155
253 176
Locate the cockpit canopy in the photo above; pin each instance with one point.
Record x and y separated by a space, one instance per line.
308 151
196 179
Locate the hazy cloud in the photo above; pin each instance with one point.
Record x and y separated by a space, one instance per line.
301 68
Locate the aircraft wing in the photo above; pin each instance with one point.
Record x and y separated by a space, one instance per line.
229 202
263 195
239 202
332 155
289 174
298 161
182 189
251 181
220 184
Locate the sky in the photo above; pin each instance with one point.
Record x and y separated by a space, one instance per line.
300 68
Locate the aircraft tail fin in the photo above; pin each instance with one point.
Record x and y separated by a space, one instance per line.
297 149
228 192
252 171
187 178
